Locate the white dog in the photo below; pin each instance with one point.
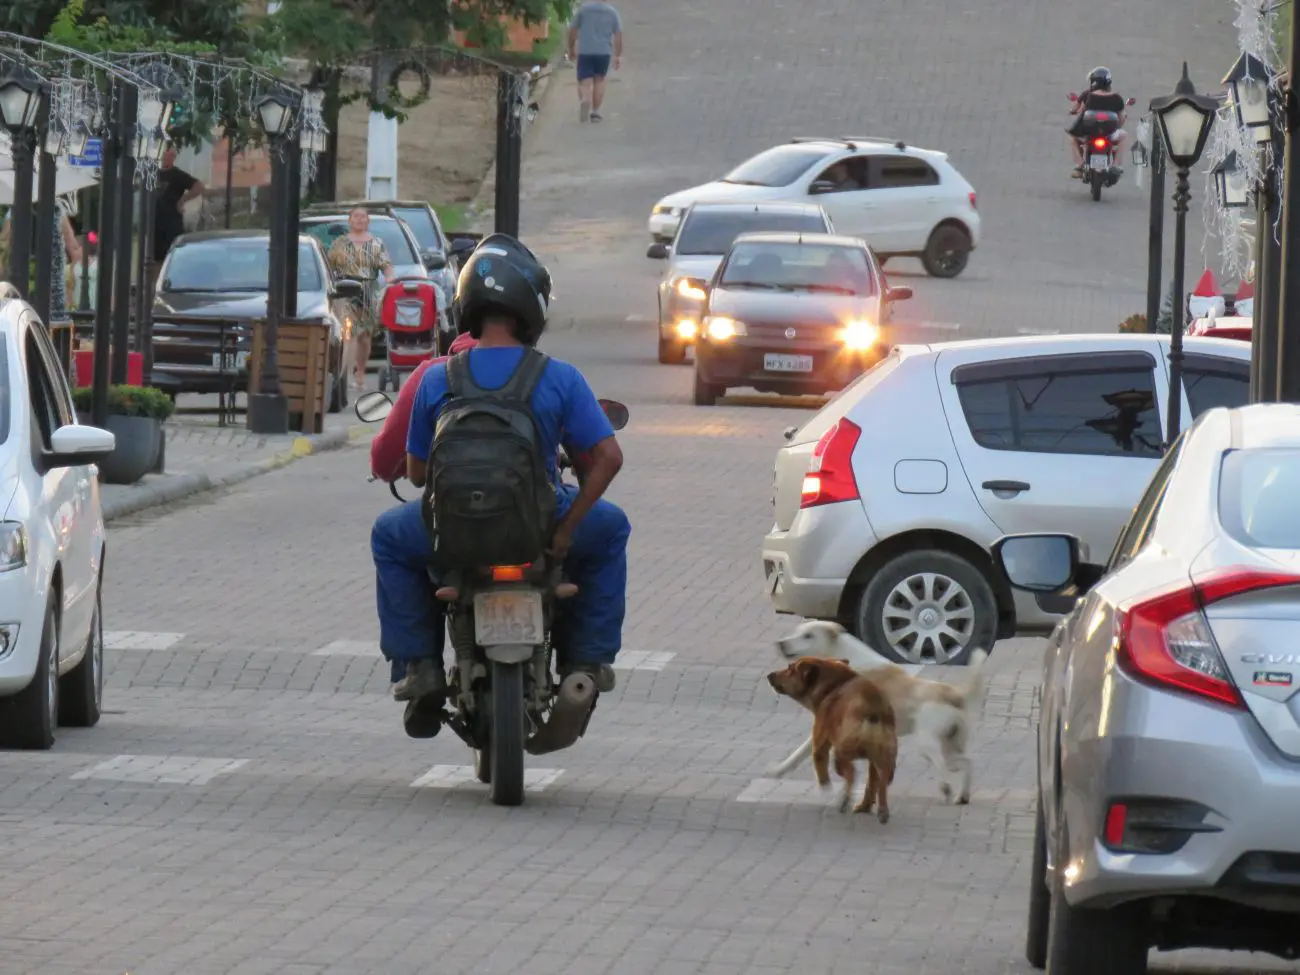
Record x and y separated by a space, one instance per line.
937 713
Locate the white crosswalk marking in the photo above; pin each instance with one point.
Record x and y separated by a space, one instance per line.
455 776
140 640
161 769
642 660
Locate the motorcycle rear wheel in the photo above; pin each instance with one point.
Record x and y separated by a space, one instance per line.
1096 178
506 747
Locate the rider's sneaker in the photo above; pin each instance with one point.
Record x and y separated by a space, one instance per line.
424 679
601 674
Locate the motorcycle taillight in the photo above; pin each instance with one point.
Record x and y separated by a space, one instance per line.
1100 142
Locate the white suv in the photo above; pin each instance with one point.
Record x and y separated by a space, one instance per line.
51 542
903 201
885 517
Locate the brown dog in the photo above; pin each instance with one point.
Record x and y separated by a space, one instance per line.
852 718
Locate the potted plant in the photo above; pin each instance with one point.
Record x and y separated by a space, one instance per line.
135 417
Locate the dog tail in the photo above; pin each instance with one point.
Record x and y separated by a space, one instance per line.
972 690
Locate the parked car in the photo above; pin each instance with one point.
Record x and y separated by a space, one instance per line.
403 251
888 501
51 542
706 231
223 274
901 200
792 313
1224 327
1169 733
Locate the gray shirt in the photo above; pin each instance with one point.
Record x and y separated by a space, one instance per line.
596 23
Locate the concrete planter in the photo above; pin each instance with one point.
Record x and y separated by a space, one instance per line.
139 449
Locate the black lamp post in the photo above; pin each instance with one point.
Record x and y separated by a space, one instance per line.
1184 119
20 100
268 410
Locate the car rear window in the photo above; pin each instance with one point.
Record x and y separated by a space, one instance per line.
238 264
422 226
778 166
1257 497
712 232
386 229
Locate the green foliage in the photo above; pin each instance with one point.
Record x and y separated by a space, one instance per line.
144 401
1165 320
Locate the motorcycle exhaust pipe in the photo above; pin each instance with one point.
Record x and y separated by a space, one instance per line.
569 715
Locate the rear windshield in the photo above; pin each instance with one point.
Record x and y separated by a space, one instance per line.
233 264
422 227
778 166
385 228
712 232
1259 497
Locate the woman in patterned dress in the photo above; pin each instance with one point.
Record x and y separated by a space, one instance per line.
360 255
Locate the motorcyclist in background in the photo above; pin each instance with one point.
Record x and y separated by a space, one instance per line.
1098 98
502 299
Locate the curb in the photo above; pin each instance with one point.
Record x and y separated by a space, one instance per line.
182 486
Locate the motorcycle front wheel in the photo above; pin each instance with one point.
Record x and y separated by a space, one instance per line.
506 746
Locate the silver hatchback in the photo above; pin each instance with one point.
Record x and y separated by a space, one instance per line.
1169 732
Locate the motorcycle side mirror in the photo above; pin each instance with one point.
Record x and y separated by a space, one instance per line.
373 406
1132 102
1073 97
616 411
658 251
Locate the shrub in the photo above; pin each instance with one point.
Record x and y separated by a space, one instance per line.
1134 323
128 401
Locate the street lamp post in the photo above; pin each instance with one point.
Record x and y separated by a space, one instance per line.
268 409
1184 119
128 147
20 100
50 136
1288 340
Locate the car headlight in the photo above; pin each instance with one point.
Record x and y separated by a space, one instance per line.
690 288
13 545
722 329
687 329
859 335
663 210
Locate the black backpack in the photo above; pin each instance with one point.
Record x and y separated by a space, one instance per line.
488 497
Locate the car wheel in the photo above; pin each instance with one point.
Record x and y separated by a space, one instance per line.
671 353
81 690
947 251
928 606
28 719
704 393
1089 941
1040 898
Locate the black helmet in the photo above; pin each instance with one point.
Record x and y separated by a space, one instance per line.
1100 79
503 276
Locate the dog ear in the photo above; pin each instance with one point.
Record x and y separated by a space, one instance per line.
837 629
809 671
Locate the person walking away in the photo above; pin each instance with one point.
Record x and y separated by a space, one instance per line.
595 39
175 189
85 276
360 255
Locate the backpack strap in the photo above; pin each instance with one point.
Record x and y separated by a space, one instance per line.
525 378
460 382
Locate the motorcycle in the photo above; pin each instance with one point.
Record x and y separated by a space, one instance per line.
1096 131
504 695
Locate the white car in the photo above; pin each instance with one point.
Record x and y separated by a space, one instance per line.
888 501
51 542
903 201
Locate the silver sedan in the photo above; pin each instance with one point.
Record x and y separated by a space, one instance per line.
1169 733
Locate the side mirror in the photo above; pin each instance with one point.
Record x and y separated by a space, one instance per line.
1131 102
349 288
657 251
616 411
435 261
1038 563
461 247
820 187
373 406
898 294
1073 97
73 445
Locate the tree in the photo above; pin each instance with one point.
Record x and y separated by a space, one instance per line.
218 23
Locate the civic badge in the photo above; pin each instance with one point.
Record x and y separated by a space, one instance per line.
789 333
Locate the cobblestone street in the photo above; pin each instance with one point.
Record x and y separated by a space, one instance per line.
249 804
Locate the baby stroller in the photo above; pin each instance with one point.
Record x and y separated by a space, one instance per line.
409 315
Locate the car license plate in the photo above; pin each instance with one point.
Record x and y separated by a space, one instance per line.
234 361
1099 161
779 362
509 616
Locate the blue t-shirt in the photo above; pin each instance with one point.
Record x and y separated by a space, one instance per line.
566 410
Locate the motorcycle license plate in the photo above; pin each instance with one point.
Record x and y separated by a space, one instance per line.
510 616
780 362
1099 162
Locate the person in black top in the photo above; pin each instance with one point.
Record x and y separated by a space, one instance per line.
1098 98
175 189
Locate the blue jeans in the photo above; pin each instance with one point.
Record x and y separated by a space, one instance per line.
588 628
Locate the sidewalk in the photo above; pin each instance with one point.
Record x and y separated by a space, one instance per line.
201 456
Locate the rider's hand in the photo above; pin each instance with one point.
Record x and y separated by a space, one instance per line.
561 542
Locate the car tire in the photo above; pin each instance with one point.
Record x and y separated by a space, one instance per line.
1040 897
29 718
927 591
671 353
947 251
81 690
1090 941
704 394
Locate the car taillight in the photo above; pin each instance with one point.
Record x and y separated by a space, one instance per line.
1100 143
1166 640
973 204
830 472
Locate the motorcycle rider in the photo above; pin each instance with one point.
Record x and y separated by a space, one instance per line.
1098 98
502 298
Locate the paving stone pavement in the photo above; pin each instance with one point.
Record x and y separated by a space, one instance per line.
249 805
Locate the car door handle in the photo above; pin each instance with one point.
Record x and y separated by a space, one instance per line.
1014 487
